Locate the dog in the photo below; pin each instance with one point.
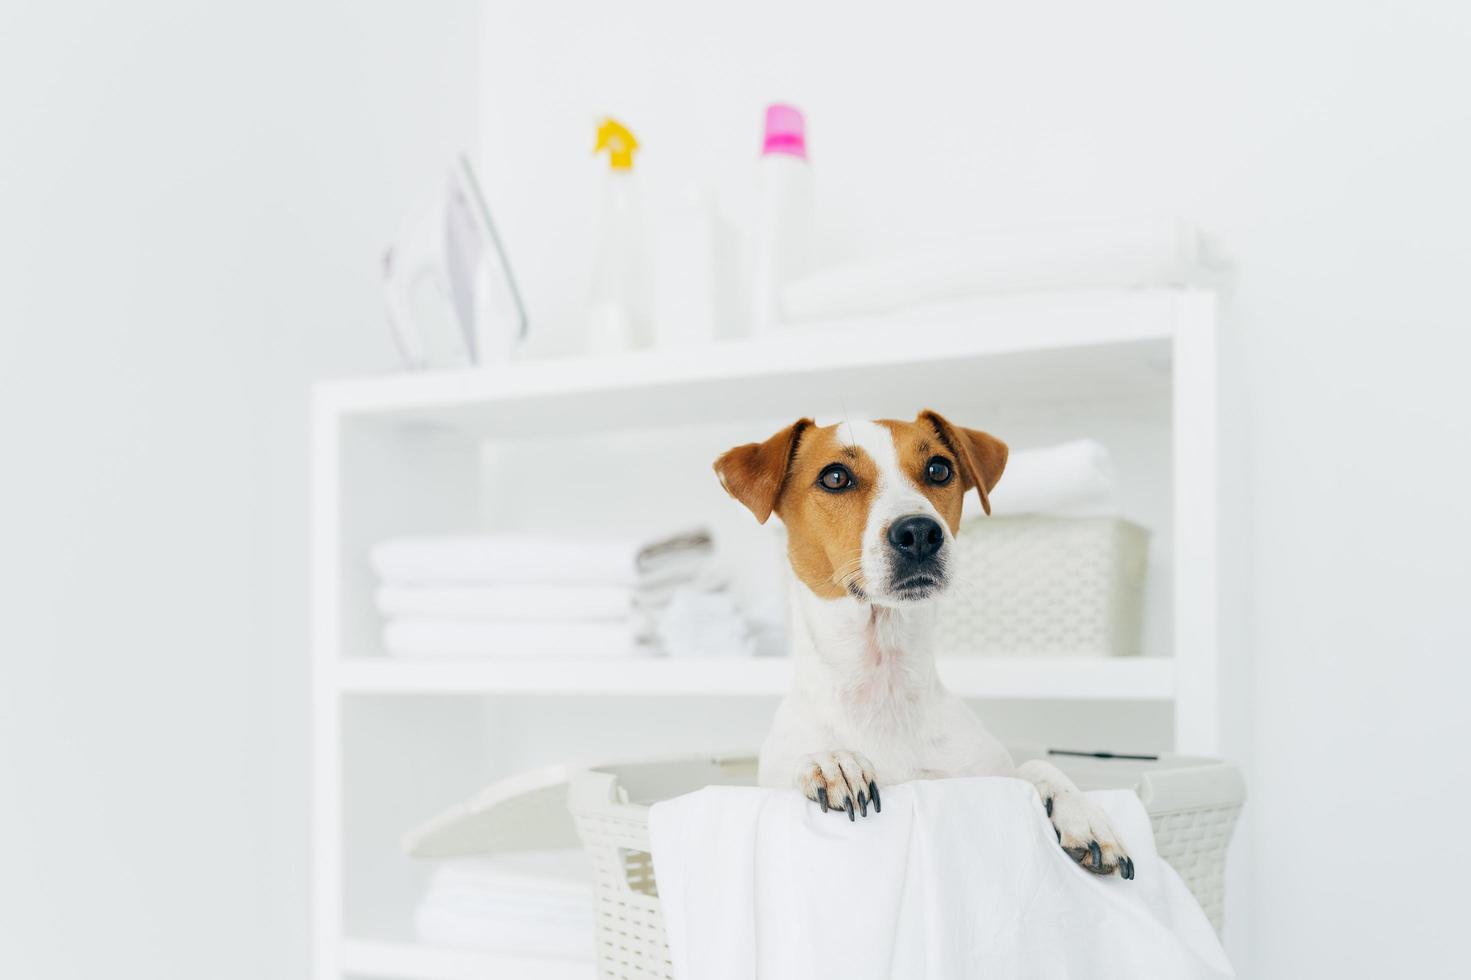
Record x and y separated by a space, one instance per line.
871 510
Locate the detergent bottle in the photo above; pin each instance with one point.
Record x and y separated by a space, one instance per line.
618 317
782 244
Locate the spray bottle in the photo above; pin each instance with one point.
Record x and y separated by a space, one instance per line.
618 303
785 214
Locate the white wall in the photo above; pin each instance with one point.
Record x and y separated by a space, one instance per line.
1328 145
193 202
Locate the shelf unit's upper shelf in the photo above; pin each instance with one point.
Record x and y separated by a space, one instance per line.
1013 351
1034 678
373 958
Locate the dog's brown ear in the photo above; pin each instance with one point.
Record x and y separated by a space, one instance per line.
754 473
981 455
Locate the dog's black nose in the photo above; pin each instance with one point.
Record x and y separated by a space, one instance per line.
917 537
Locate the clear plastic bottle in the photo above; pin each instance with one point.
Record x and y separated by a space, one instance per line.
782 243
618 302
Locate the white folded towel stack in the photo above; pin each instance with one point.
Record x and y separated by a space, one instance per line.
537 903
1103 255
521 558
521 594
699 623
475 603
475 638
1070 479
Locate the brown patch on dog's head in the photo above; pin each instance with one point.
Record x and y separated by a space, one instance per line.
826 525
982 456
755 473
916 446
824 529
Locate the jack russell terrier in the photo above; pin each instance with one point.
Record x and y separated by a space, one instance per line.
871 510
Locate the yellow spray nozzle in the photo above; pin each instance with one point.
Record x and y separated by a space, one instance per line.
614 137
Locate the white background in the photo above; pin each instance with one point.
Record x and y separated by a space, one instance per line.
193 202
192 205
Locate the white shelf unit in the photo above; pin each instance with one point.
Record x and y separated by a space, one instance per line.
1025 678
393 739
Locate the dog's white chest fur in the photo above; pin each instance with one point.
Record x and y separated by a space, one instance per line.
865 679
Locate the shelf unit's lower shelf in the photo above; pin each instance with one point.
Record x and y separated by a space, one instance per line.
373 958
1014 678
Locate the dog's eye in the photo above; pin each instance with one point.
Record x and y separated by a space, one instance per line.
835 478
938 471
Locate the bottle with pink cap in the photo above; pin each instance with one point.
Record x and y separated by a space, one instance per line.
782 242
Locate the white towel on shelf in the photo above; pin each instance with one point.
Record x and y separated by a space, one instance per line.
1071 479
650 597
559 872
536 903
530 558
697 623
1082 256
492 638
955 878
570 603
506 929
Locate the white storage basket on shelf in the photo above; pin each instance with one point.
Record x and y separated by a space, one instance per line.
1050 586
1193 804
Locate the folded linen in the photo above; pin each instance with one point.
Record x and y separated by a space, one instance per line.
535 903
503 930
562 873
654 596
570 603
1070 479
492 638
747 879
529 558
1084 256
703 624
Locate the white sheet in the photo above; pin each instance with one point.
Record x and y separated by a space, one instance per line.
487 638
572 603
955 879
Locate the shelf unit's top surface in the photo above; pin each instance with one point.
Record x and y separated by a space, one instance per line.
1007 350
1020 677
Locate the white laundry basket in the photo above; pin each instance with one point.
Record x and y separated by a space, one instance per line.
1046 586
1193 804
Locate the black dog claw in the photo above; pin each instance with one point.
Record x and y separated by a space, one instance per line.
822 797
873 794
862 803
848 805
1097 853
1126 868
1048 804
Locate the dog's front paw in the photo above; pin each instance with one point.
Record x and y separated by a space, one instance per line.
1084 832
840 781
